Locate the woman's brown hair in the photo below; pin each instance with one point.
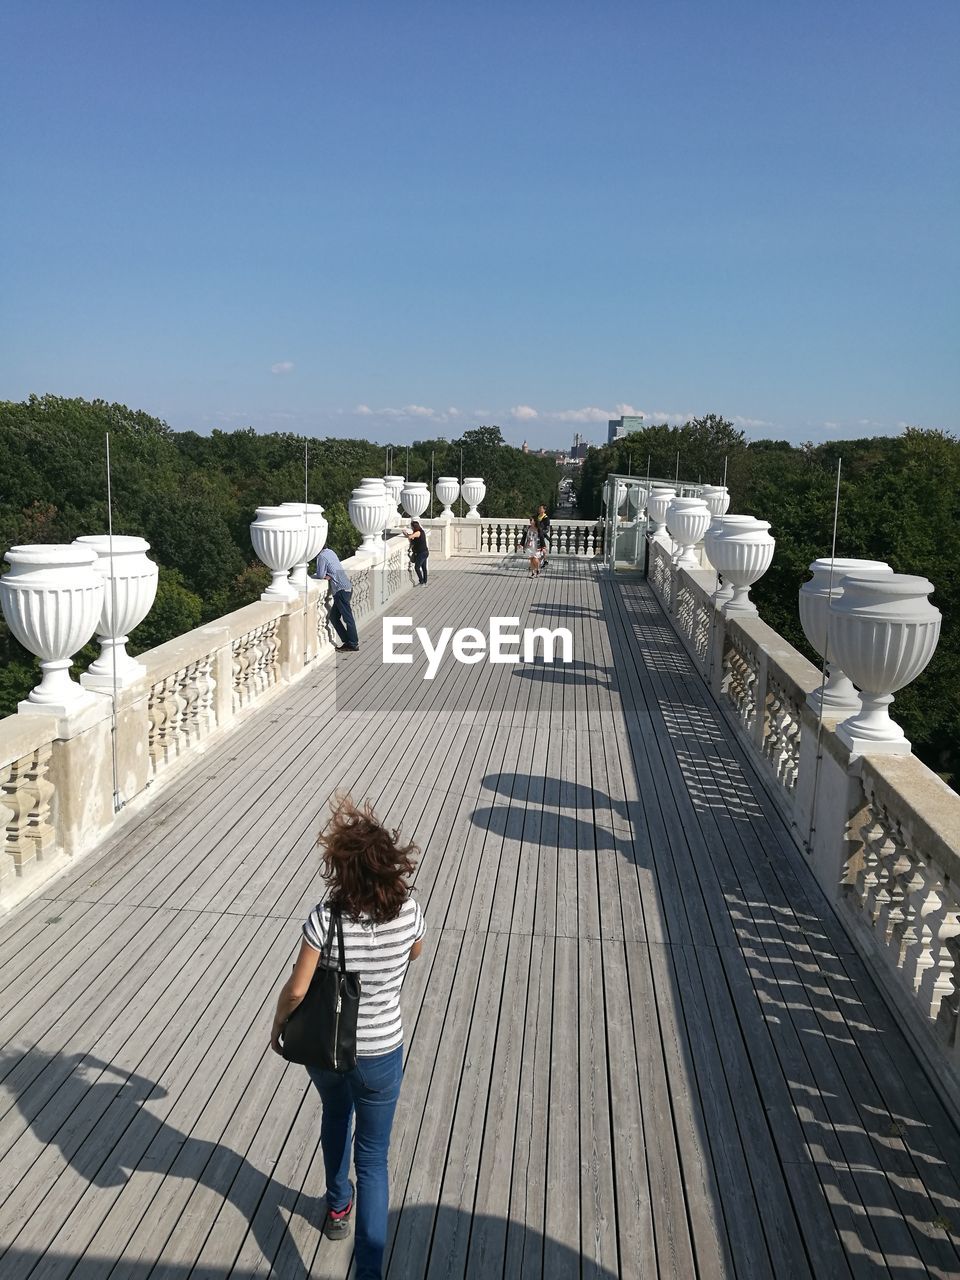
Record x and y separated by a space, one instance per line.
365 866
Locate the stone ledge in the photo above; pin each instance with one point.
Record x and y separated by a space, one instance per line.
926 808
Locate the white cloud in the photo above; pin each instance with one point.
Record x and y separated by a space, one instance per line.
750 423
363 411
589 414
282 366
524 412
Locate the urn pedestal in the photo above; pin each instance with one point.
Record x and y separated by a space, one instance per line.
741 551
368 514
52 599
394 487
717 498
474 491
129 590
657 505
687 521
839 698
315 522
885 632
447 491
415 498
279 536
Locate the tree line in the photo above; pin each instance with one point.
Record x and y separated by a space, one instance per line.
193 497
899 502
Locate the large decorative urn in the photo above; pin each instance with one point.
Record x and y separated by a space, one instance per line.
129 590
839 695
741 552
279 536
52 599
687 521
368 514
657 505
415 498
447 490
717 498
394 487
311 515
474 491
724 591
885 632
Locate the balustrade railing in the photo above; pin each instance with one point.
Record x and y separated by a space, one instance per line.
567 537
881 833
57 790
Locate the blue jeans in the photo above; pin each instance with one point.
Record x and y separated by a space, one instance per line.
371 1089
341 615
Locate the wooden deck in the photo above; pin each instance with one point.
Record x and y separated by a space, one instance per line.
639 1043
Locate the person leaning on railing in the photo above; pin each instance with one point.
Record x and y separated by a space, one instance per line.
365 868
341 614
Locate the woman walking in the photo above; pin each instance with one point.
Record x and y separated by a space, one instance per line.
419 551
531 547
365 869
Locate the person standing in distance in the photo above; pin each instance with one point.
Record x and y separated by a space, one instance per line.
543 530
419 551
330 569
366 869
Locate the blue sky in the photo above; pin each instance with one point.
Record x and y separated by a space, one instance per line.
400 219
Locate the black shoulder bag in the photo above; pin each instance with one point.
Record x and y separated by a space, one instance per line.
322 1030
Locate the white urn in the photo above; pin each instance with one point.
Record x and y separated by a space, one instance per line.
394 487
52 598
717 498
724 592
885 632
279 536
741 551
839 695
474 492
415 498
315 522
368 514
129 590
657 505
687 521
447 490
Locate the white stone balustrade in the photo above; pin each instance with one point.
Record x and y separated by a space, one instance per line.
57 796
881 832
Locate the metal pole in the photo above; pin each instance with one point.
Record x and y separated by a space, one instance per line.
117 799
676 481
306 525
461 484
823 669
432 451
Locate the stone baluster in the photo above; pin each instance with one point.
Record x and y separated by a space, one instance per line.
27 793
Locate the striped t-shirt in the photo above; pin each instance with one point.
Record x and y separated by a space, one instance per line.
379 954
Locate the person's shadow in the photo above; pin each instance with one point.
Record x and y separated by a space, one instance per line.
95 1115
103 1130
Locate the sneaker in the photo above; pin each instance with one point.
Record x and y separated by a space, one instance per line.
348 648
337 1224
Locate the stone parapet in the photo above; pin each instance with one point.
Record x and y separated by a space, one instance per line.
67 783
881 833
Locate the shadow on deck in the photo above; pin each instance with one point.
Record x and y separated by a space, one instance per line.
638 1042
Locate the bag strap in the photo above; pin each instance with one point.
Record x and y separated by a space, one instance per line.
335 923
342 966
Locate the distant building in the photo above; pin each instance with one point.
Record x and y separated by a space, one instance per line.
617 428
525 447
578 450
